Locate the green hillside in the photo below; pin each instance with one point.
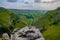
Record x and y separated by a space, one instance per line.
50 25
5 16
48 22
7 20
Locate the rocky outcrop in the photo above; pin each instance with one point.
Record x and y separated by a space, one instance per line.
5 36
27 33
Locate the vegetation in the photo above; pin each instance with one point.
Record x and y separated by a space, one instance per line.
49 23
49 19
7 21
52 33
30 14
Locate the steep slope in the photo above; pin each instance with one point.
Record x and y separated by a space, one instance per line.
4 20
50 18
4 15
52 33
7 20
50 24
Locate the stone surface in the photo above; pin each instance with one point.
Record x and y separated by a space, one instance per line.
5 36
27 33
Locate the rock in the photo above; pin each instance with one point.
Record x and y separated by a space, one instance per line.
27 33
5 36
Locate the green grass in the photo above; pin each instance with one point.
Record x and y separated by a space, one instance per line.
0 39
52 33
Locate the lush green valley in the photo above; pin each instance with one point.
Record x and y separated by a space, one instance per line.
48 22
29 13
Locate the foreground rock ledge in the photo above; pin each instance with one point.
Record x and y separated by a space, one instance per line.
27 33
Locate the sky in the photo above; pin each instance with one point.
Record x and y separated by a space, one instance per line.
30 4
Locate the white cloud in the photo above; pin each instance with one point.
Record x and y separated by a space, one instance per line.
48 5
47 0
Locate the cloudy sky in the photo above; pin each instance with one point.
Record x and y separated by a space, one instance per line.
30 4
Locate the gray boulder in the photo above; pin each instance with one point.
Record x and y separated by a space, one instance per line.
5 36
27 33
